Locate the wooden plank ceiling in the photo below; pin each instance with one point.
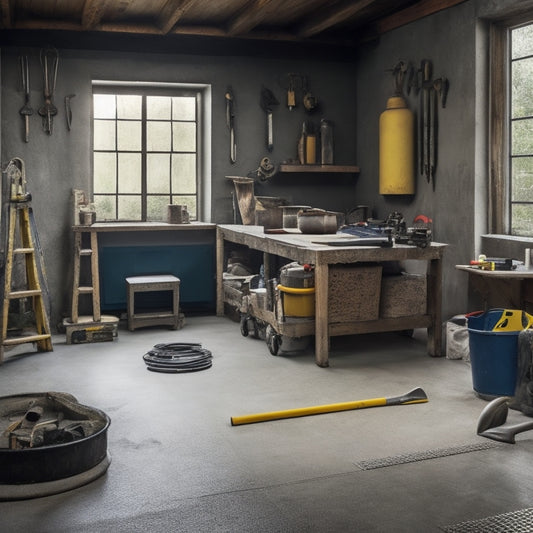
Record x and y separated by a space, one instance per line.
340 22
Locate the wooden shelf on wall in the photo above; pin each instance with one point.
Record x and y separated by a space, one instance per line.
324 169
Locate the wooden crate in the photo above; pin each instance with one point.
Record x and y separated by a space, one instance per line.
354 293
403 295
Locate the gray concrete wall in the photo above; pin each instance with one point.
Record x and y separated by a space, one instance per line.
58 163
448 39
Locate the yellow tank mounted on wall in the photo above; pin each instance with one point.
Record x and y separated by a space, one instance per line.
396 148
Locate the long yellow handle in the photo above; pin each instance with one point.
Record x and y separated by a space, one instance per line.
416 396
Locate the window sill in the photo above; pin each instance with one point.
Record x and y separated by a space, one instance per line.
508 238
510 246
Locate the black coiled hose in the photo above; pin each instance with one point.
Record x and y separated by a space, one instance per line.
178 357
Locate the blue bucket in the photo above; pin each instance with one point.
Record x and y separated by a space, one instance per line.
493 355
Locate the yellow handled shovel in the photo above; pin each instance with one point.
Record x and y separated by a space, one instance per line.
414 396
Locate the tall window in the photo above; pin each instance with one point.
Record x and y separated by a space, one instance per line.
145 152
521 131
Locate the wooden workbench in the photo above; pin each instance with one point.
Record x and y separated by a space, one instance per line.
307 249
510 289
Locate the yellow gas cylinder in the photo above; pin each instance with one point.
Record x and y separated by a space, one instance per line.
396 148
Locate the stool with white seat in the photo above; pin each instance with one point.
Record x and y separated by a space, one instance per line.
153 283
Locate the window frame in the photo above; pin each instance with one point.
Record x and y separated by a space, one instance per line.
202 92
500 118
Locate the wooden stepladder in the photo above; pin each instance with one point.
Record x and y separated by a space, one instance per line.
22 241
91 252
86 280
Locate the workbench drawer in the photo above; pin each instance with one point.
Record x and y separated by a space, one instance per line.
354 293
403 295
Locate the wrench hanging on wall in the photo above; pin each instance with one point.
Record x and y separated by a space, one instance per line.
49 63
26 109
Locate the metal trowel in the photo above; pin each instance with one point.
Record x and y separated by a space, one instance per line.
491 422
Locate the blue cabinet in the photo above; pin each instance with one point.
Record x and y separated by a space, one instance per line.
188 255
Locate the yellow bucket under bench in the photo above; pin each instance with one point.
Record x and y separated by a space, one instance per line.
298 302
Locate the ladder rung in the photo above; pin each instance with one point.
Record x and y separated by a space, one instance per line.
85 290
24 294
23 250
86 251
29 338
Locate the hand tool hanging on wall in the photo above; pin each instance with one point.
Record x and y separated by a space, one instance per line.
265 171
291 93
425 122
230 123
309 99
26 109
433 90
49 64
68 110
267 101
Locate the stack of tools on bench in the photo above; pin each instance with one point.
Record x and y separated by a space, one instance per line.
494 263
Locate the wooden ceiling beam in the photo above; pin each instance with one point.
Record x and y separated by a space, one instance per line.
415 12
172 12
92 14
251 17
320 22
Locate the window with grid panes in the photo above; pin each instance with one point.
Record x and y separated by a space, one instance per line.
145 153
521 131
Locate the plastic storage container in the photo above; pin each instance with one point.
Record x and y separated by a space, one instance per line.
493 342
298 302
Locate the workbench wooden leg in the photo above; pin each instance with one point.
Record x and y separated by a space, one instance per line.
435 308
321 315
220 272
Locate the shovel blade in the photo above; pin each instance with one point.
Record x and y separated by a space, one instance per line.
494 414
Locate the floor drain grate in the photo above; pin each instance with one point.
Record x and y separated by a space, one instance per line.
423 456
517 521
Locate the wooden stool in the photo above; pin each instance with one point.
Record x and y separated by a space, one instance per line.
155 283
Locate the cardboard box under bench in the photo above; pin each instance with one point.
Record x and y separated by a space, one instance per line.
403 295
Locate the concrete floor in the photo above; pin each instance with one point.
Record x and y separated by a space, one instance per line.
179 466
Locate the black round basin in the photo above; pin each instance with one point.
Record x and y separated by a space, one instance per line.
50 436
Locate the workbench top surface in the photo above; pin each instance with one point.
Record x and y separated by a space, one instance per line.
521 272
317 244
101 227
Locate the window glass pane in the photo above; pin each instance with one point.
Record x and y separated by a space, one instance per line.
144 153
158 136
189 201
522 42
522 216
184 108
522 88
129 207
104 135
129 135
129 173
105 207
104 105
184 173
522 137
129 106
184 136
157 208
158 107
105 172
158 173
